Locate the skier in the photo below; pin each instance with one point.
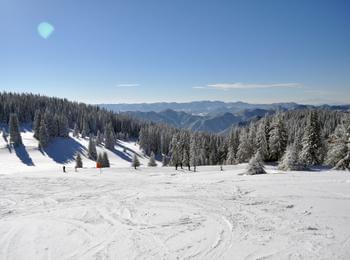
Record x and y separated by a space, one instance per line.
64 168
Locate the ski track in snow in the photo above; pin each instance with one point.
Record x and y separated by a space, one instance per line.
163 214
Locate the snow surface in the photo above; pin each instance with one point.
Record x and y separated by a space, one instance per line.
62 151
160 213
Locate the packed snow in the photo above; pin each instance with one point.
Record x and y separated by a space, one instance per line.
160 213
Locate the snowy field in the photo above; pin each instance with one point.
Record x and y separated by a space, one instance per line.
160 213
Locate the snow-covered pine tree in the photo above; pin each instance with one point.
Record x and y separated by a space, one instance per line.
63 127
78 161
194 152
176 151
152 160
50 123
37 123
312 144
339 146
15 134
256 165
261 140
105 160
76 130
244 149
92 153
278 139
165 160
44 137
135 161
86 129
98 138
290 160
109 137
185 145
252 138
233 144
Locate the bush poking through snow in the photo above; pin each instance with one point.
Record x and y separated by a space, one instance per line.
256 165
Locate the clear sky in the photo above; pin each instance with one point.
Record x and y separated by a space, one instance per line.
112 51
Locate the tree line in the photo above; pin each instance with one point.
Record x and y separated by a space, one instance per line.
297 139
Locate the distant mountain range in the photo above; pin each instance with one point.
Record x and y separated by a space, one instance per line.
208 116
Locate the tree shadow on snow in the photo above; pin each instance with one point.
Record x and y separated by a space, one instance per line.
124 156
127 149
63 150
23 155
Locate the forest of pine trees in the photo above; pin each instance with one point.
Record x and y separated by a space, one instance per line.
296 139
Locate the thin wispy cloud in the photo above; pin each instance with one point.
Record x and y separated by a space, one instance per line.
126 85
239 85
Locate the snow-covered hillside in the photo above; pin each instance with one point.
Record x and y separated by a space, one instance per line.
61 151
160 213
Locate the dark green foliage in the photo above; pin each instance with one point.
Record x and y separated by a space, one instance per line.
15 134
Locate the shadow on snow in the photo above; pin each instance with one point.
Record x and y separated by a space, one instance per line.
23 155
63 150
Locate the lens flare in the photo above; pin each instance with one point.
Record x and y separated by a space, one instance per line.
45 30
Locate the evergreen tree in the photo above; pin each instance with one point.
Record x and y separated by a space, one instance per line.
105 160
164 160
76 130
15 134
44 137
176 156
86 129
98 138
135 161
78 161
338 147
256 165
109 137
278 139
37 123
261 140
232 148
194 152
290 160
152 160
63 128
92 153
312 151
244 151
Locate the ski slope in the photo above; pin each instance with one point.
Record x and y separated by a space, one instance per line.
160 213
62 151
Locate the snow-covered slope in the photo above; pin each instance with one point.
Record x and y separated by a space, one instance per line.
61 151
160 213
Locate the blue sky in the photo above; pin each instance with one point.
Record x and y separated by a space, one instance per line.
113 51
